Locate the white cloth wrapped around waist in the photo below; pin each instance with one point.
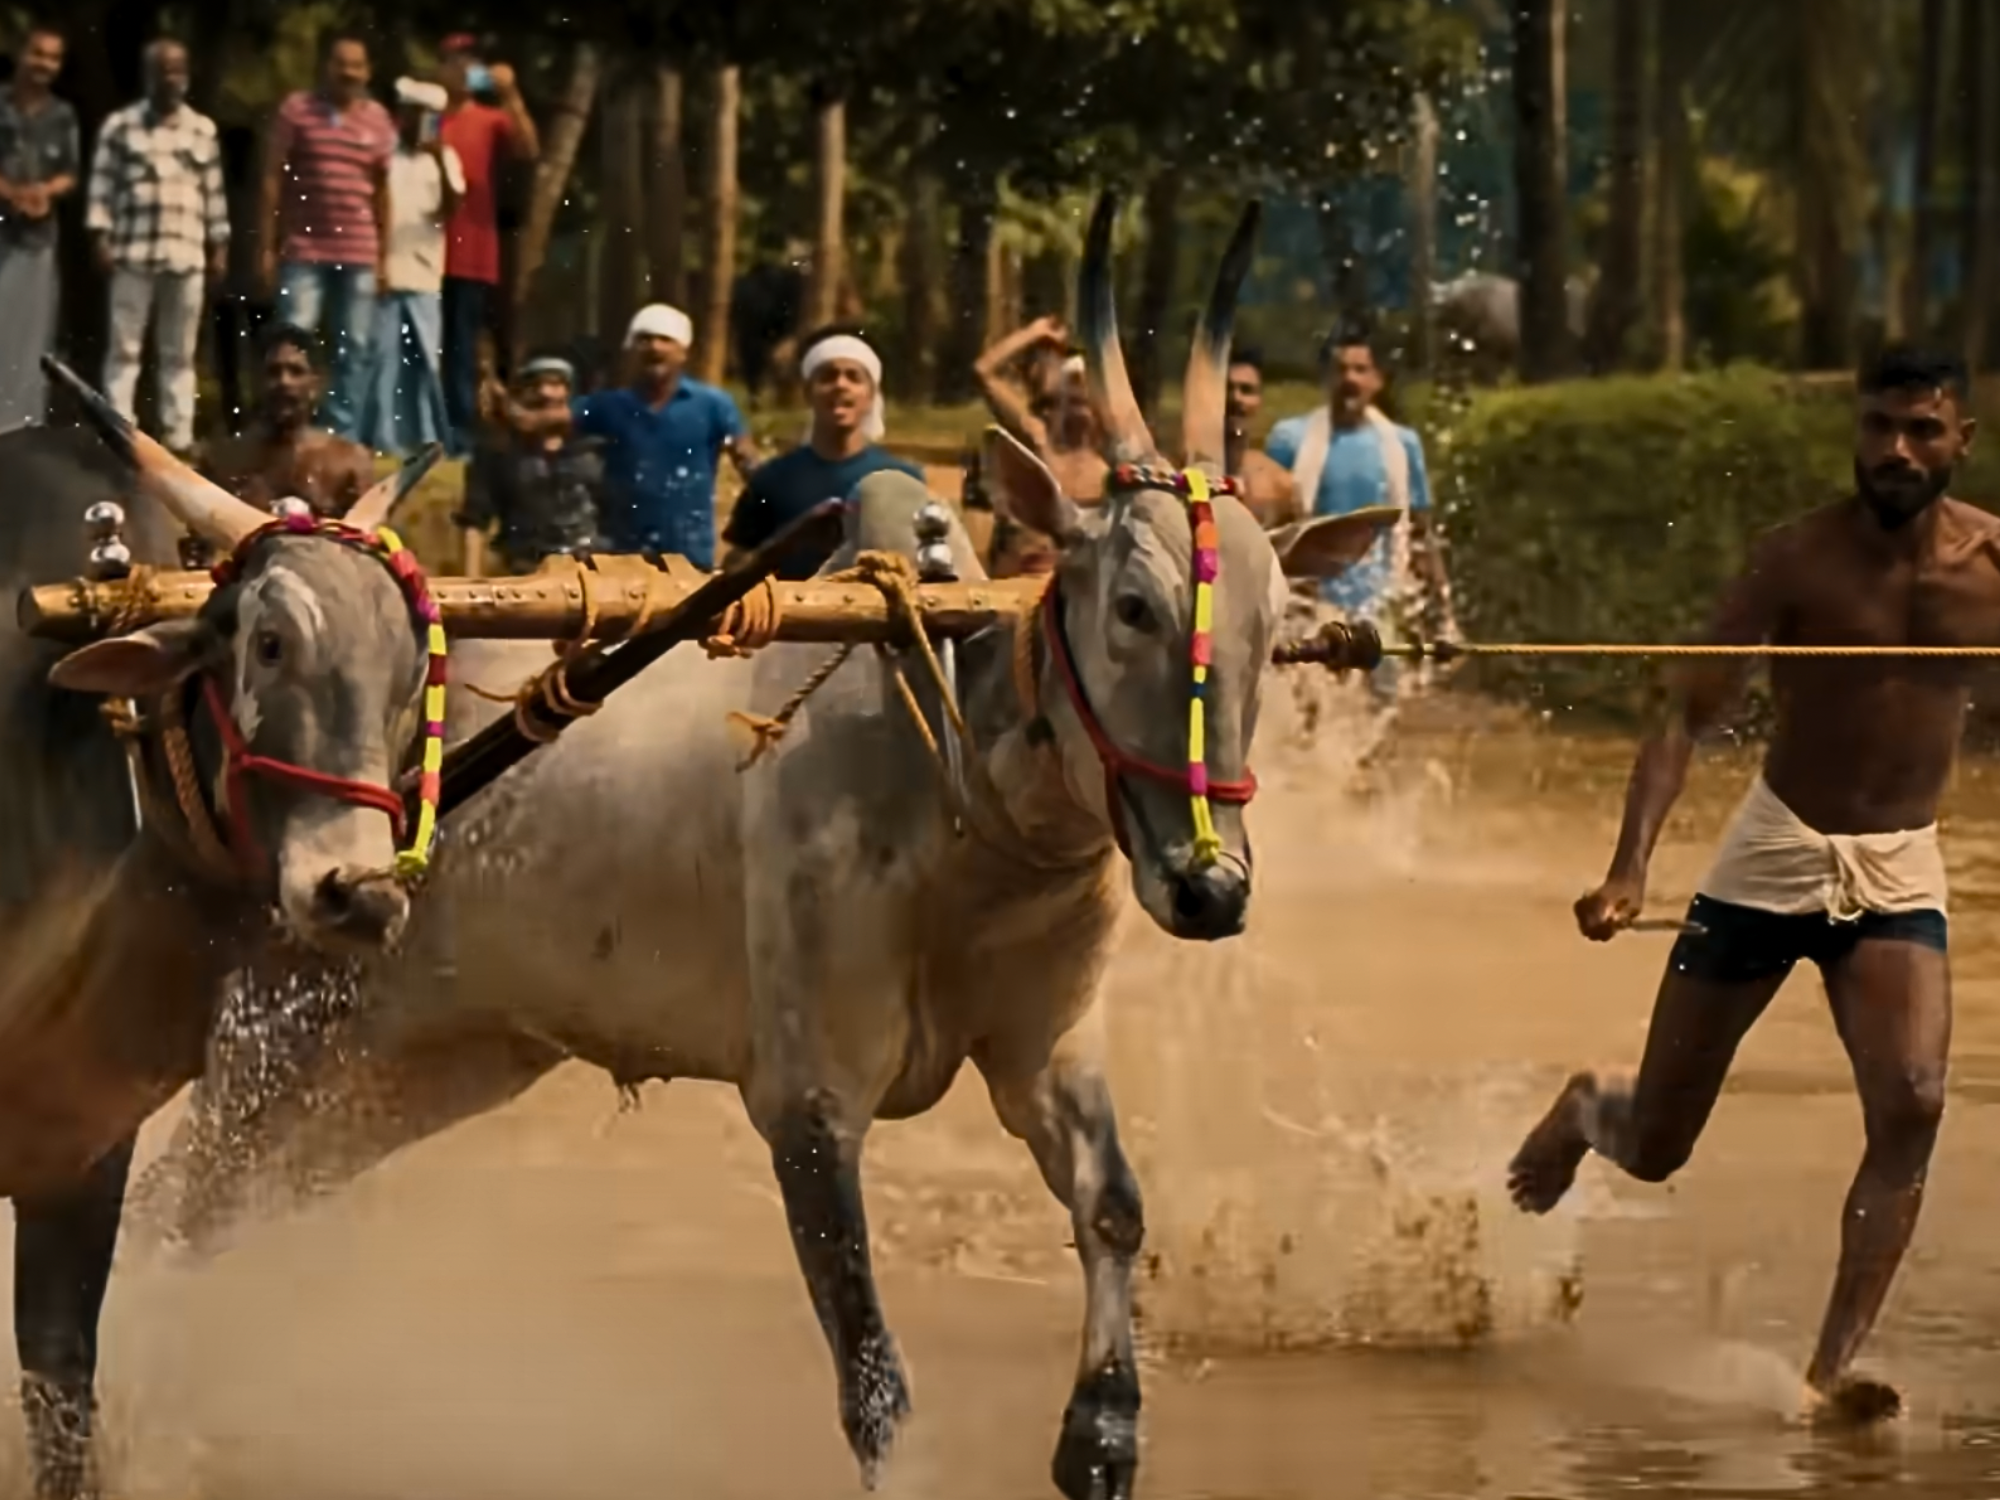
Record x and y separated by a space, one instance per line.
1772 861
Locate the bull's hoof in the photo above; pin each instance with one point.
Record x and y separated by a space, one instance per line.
1097 1457
61 1448
874 1401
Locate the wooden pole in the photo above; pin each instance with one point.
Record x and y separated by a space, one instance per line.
550 606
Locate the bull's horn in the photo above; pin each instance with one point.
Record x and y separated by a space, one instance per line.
1204 395
204 508
1125 434
382 498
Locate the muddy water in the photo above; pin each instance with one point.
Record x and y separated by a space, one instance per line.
563 1301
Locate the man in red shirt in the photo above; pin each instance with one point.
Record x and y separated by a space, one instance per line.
478 132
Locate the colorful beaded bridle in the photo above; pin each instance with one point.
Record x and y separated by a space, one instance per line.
1197 490
241 763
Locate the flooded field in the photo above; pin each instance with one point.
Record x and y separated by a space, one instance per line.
566 1302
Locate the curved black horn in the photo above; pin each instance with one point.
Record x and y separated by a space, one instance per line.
1118 413
1204 394
204 508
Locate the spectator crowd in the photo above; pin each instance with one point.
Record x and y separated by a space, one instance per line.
375 275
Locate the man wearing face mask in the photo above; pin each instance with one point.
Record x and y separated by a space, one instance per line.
1833 856
159 224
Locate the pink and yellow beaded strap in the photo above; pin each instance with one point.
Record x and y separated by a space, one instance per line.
413 861
1197 490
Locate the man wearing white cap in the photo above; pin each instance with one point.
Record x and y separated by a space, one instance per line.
664 435
843 380
403 406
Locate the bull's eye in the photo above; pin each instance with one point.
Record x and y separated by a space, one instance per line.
270 649
1133 612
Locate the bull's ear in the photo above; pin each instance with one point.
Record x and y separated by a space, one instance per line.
1025 489
143 664
1327 546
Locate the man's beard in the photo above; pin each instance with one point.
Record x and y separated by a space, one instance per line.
1895 506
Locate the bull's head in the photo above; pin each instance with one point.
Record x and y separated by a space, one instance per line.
1162 613
315 666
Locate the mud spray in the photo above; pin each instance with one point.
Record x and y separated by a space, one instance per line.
1303 1195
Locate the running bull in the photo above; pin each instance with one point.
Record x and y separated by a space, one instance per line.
114 937
814 931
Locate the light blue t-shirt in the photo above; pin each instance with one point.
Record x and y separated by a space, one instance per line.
1354 479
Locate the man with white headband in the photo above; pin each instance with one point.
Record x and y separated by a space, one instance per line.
664 434
1055 423
843 379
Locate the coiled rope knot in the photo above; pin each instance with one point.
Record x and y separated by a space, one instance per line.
545 705
895 577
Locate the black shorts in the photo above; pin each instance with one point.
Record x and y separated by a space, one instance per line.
1739 944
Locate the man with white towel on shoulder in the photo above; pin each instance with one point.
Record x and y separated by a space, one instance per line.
843 380
1349 456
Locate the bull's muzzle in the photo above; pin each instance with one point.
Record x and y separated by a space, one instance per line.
1210 903
359 909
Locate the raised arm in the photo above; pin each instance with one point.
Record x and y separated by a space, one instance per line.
524 142
1699 696
1004 398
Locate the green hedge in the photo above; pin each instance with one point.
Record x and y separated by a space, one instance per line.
1615 510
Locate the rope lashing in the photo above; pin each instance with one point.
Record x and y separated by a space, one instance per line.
746 626
895 576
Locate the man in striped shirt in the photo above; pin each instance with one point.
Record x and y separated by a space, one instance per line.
159 223
325 210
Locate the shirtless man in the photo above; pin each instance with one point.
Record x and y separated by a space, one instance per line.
283 453
1268 488
1057 425
1833 856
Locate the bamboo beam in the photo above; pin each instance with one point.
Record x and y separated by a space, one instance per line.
550 606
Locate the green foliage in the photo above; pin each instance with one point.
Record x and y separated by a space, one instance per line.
1616 510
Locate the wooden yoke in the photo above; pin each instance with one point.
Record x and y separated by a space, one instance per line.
613 596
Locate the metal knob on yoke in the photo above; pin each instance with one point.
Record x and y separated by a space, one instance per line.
935 563
110 558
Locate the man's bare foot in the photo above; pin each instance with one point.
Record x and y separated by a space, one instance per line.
1545 1166
1852 1401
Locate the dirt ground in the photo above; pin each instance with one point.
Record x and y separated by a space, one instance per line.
567 1302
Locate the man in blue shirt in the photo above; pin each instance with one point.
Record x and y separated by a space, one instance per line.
1348 456
843 379
664 435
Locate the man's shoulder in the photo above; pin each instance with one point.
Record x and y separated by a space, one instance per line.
296 106
1288 429
123 118
884 459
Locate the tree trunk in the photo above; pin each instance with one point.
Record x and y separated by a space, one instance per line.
1616 308
622 197
1831 162
1975 43
562 136
918 261
1539 189
1930 94
719 251
666 218
1422 188
1346 268
978 207
1158 271
829 203
1671 180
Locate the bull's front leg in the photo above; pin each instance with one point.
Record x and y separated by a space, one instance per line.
818 1166
1063 1111
63 1247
